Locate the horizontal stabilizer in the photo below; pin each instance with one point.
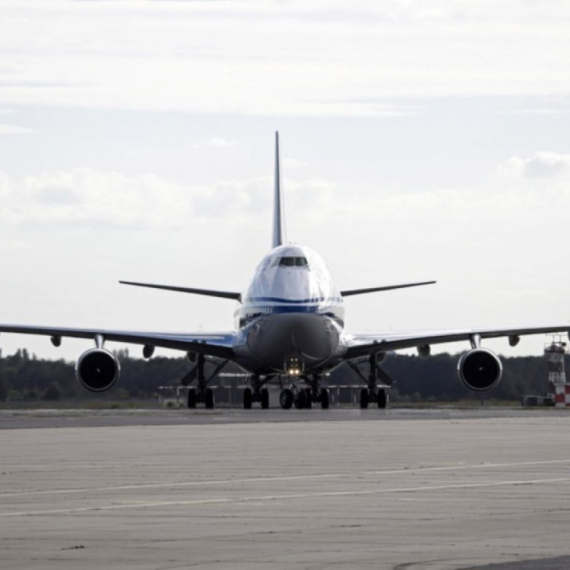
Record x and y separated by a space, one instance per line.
207 292
385 288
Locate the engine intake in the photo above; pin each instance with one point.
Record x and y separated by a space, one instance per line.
479 369
97 370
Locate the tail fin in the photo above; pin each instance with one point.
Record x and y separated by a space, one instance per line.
278 217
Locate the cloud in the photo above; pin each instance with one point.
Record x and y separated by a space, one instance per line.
541 165
90 198
86 197
554 110
293 163
14 130
257 58
214 142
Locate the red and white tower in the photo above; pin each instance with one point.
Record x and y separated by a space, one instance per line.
559 388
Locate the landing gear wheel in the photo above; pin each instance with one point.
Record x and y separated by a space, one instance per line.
264 399
191 401
247 399
209 399
286 399
308 400
382 399
325 400
364 398
300 400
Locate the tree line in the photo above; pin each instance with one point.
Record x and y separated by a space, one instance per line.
25 377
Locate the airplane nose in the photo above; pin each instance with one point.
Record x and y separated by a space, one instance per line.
311 338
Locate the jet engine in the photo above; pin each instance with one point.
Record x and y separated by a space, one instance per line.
97 370
479 369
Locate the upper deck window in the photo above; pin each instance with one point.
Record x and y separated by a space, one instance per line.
291 262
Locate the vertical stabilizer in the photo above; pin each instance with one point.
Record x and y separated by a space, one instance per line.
278 218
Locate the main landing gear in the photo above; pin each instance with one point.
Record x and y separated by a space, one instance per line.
373 394
378 396
201 394
256 394
304 398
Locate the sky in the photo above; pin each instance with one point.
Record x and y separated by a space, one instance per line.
420 140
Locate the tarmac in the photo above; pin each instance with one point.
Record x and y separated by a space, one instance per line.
385 489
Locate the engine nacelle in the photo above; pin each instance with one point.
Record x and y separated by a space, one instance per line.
424 350
97 370
479 369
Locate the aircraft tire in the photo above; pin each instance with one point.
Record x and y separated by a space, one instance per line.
209 399
286 399
308 400
247 399
382 399
191 400
364 398
325 399
300 400
264 399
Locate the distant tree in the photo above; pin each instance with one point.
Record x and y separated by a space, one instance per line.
4 387
53 392
415 378
30 395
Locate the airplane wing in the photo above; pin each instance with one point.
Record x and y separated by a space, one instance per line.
365 344
213 344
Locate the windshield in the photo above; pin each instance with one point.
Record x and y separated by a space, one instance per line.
291 262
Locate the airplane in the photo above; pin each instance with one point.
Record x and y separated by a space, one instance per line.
289 328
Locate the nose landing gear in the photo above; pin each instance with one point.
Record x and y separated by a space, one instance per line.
304 398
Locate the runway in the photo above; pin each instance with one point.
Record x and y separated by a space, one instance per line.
443 489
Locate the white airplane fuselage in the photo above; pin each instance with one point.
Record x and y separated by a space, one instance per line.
291 316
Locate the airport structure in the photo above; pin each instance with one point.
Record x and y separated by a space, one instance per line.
558 386
229 393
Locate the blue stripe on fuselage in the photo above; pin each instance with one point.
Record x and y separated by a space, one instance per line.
248 313
291 301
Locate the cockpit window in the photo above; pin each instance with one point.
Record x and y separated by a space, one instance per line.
291 262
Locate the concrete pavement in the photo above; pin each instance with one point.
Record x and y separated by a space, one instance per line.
438 492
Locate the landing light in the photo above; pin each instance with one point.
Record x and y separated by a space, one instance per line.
293 366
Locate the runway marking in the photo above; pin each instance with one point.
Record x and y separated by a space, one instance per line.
230 500
284 478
